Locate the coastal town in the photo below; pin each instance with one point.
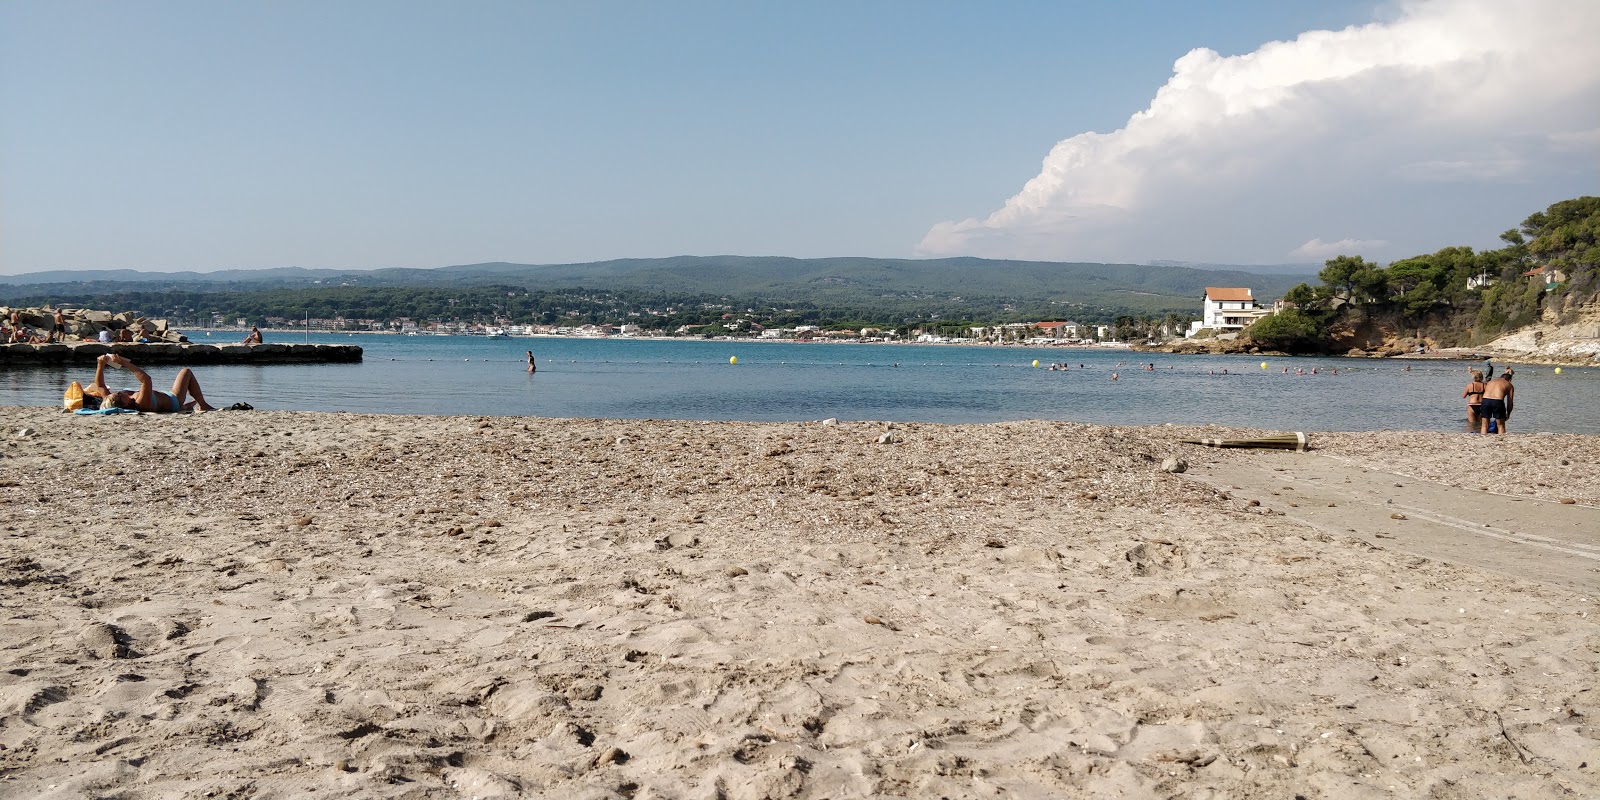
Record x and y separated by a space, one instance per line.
1225 313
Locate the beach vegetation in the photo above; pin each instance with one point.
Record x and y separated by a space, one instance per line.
1290 330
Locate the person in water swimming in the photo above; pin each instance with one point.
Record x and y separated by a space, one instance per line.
185 394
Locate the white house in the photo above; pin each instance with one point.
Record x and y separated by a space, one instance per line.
1057 330
1227 310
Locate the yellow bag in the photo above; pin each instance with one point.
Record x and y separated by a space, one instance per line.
73 400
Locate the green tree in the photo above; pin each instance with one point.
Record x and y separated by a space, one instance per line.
1345 275
1302 296
1289 330
1407 275
1125 328
1371 283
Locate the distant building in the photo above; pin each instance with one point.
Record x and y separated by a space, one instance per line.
1227 310
1058 330
1549 276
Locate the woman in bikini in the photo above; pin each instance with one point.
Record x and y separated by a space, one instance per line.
185 394
1474 395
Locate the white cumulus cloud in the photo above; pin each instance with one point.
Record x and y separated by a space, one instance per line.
1318 250
1378 129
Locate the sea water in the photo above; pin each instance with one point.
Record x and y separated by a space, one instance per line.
693 379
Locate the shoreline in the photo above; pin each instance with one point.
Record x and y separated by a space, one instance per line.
274 603
1442 354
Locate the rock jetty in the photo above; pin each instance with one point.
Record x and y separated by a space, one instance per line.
143 340
185 354
84 324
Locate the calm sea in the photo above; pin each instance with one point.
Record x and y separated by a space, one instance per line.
777 381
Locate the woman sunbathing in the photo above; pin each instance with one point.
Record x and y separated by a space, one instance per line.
185 394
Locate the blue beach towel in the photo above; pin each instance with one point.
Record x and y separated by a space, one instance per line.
106 410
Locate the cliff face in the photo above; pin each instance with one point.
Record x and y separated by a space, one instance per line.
1568 333
1364 331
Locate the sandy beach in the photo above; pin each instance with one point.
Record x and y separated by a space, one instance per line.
284 605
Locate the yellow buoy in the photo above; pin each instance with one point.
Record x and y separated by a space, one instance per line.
1558 370
1263 365
733 359
1036 363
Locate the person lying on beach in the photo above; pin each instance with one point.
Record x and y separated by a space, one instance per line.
185 394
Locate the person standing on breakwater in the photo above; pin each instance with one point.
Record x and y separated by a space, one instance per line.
58 327
185 394
1474 395
1498 395
532 367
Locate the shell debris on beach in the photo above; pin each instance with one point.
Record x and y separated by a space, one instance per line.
282 604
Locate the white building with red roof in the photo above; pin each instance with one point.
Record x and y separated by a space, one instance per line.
1227 310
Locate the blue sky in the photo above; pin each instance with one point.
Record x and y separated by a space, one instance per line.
200 136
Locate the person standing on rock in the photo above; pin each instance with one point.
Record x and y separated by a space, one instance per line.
1497 400
185 394
58 327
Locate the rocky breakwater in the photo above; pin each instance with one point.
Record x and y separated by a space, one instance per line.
1195 347
83 324
185 353
89 334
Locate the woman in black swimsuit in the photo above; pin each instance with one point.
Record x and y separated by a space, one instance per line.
1474 395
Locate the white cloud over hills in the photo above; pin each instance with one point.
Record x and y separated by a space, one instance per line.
1436 127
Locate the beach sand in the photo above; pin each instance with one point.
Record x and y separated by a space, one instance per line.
284 605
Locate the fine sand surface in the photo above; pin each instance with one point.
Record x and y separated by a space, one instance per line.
285 605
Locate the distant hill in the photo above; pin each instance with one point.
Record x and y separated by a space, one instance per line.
1302 270
276 275
852 282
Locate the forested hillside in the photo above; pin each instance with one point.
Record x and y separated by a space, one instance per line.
1549 268
667 292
